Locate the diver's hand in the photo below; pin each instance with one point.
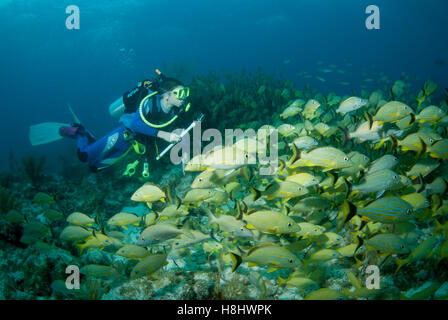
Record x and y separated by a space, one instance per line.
169 136
175 138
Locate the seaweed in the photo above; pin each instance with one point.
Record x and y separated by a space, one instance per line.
6 180
33 168
7 201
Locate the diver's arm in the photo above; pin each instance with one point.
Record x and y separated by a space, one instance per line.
135 124
138 126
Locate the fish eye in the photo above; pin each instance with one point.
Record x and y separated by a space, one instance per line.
299 188
402 246
176 243
345 159
314 180
291 261
409 211
242 229
200 179
405 107
431 141
246 156
395 177
289 224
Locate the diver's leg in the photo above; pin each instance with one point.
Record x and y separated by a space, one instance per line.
107 150
83 139
75 131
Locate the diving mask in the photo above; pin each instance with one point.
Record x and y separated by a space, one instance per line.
181 93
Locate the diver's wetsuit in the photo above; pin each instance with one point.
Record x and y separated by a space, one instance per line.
107 150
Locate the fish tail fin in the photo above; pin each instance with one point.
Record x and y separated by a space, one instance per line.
349 188
422 183
438 227
211 217
257 193
381 142
295 155
423 149
400 263
346 135
369 119
412 119
168 194
236 261
394 143
245 173
281 167
281 281
359 243
81 247
347 292
348 210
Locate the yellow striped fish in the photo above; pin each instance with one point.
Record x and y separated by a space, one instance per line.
360 162
423 250
326 294
423 167
382 180
392 112
305 179
387 161
413 141
268 254
281 189
326 157
439 149
388 243
417 200
148 193
385 210
430 114
268 221
149 265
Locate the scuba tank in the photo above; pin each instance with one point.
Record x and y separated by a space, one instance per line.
117 108
130 100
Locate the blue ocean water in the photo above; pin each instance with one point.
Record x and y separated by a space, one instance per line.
44 65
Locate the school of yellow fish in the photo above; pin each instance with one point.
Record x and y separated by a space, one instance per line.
354 186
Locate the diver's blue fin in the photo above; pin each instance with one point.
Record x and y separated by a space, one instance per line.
45 132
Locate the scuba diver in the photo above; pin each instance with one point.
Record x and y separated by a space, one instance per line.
142 113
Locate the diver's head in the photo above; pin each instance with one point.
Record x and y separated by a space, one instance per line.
173 93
